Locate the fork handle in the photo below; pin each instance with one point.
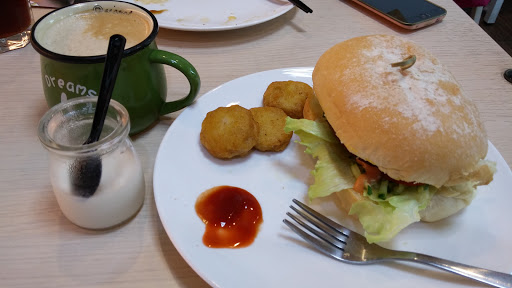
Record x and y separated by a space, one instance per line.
493 278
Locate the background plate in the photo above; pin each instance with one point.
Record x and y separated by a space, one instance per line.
479 235
208 15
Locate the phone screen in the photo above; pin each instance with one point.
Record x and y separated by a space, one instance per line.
406 11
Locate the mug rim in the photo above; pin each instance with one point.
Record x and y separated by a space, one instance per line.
95 58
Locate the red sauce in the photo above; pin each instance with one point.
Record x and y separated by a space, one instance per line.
232 217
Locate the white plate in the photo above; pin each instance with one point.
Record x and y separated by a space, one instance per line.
216 15
480 235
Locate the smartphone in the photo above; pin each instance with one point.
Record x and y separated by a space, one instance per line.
409 14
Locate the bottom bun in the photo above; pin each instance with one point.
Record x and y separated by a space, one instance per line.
441 207
347 198
445 203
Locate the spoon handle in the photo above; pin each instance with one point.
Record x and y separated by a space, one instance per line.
114 56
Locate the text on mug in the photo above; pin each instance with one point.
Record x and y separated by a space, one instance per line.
69 86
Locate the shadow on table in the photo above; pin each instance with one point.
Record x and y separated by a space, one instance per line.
183 273
82 260
187 276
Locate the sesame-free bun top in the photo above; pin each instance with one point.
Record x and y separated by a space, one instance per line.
415 124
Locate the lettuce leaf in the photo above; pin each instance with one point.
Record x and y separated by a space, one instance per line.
332 170
381 219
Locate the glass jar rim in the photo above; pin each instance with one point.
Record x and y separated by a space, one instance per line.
103 145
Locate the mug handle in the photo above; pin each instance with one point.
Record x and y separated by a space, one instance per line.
182 65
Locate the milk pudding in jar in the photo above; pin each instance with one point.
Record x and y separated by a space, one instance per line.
121 189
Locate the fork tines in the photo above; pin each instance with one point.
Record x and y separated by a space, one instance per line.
333 235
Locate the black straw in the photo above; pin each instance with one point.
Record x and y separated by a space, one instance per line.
301 6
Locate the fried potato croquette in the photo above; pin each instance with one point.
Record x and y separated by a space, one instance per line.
271 121
228 132
290 96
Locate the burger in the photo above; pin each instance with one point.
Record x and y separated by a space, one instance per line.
395 138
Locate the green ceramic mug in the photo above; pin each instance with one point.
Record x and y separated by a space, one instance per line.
71 42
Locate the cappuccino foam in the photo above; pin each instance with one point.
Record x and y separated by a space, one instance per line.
87 34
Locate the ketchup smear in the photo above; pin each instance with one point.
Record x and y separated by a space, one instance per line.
232 217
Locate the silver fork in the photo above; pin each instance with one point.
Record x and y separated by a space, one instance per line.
347 246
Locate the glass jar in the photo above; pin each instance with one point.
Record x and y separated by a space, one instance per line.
119 190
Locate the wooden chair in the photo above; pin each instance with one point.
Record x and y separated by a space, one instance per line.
477 7
493 9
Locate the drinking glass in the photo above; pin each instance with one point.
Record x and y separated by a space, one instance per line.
15 23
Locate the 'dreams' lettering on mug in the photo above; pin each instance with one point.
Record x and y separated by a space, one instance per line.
69 87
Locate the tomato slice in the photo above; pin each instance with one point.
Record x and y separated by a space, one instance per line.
371 174
370 170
